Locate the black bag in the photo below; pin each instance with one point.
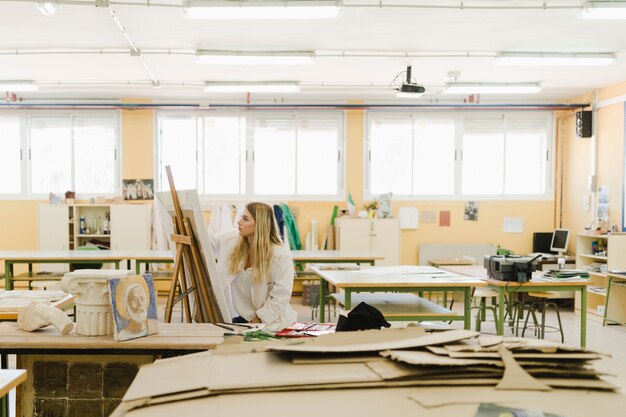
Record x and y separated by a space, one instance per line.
362 317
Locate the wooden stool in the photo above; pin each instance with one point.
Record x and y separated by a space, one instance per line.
483 294
540 330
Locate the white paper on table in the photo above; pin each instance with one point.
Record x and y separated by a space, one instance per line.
513 225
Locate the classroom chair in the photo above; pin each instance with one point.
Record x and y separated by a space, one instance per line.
541 304
481 295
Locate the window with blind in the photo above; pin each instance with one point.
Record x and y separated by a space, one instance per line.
295 156
54 153
10 156
459 156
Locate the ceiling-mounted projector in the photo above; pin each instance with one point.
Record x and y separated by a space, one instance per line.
409 89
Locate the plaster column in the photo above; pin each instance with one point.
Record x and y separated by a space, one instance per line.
94 316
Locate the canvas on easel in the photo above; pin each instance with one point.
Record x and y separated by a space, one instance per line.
195 270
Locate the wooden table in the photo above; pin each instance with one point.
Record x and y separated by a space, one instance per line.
510 287
31 257
381 279
64 303
9 379
47 347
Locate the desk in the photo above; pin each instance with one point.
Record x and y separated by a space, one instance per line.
60 368
335 256
150 256
63 304
430 279
9 379
31 257
504 287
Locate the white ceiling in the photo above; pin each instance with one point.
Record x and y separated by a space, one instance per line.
60 52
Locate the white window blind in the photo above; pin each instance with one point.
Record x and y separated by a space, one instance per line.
274 144
10 156
50 155
224 155
94 155
178 149
390 156
483 150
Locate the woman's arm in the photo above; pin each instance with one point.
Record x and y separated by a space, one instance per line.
280 287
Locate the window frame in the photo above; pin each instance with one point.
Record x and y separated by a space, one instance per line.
248 152
459 117
25 119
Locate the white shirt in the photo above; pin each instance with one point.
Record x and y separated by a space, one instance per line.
269 299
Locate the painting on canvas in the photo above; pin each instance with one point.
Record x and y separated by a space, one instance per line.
133 301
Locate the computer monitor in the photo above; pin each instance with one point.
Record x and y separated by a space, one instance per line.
560 238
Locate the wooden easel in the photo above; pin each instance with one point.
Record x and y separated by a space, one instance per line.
189 267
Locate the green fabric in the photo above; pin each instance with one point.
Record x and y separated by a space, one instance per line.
292 228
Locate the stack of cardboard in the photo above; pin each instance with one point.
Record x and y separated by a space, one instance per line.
362 361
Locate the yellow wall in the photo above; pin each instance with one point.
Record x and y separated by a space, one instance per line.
609 163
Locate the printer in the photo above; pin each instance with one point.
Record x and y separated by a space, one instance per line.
510 267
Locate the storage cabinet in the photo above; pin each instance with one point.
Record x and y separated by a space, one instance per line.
108 226
608 253
380 236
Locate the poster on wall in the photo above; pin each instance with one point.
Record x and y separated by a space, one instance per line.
471 211
603 203
138 189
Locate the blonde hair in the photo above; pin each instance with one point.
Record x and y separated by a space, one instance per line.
265 236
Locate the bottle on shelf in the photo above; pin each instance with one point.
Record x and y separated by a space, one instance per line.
82 224
594 247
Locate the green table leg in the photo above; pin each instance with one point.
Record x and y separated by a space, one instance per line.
348 299
583 316
467 308
322 303
500 325
137 267
7 275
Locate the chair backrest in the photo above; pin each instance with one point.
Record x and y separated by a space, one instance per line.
87 265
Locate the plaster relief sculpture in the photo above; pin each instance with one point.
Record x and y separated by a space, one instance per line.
37 315
133 300
93 309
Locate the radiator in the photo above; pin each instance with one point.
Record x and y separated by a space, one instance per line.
477 251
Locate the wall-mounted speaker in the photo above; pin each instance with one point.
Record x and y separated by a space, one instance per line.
583 124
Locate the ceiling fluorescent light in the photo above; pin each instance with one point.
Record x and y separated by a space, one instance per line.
15 86
475 88
554 59
47 8
268 87
263 9
254 58
603 10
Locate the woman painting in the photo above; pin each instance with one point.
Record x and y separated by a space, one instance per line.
256 267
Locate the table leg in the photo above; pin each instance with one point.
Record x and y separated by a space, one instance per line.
348 299
7 275
500 326
583 316
467 308
117 264
138 267
322 303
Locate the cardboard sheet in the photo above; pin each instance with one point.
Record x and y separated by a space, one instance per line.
398 402
542 356
515 377
370 340
421 357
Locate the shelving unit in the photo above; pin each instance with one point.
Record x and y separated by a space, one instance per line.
59 227
614 258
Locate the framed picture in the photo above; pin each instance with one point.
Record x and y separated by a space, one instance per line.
133 301
138 189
